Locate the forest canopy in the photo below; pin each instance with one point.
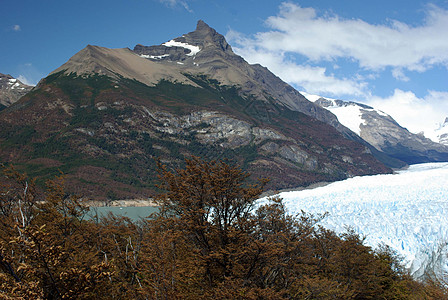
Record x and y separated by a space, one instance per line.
210 240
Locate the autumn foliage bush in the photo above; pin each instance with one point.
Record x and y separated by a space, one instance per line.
209 240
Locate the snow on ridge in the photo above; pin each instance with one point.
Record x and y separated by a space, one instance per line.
14 84
348 115
381 113
314 98
406 211
154 56
193 49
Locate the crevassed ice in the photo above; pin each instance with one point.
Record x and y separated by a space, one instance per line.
193 49
407 211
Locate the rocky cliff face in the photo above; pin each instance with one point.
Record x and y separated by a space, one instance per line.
384 133
107 115
11 90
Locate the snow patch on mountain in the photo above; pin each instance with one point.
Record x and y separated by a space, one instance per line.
349 114
313 98
154 56
193 49
407 211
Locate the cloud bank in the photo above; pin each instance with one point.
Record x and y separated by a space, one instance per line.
313 79
397 44
300 31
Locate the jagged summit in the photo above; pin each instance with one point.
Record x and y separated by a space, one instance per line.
208 37
202 26
200 44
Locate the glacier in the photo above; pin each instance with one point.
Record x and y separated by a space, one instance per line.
407 210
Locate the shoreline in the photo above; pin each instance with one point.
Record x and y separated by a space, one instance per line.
121 203
150 202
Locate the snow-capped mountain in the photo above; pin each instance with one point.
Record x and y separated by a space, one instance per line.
11 89
406 211
440 134
383 132
106 114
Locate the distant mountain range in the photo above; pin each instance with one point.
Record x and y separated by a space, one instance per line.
106 115
441 133
11 90
383 132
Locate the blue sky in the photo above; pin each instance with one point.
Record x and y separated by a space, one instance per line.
390 54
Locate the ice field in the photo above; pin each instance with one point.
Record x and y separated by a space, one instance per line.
407 211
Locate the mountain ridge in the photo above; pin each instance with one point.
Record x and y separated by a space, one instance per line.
118 62
105 116
383 132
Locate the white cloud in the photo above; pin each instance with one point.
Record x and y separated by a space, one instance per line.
312 79
25 80
399 75
414 113
16 28
175 3
327 37
396 45
29 74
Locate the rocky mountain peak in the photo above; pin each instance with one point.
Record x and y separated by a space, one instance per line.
11 89
202 26
207 37
203 43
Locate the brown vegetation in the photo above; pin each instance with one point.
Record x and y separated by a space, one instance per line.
208 240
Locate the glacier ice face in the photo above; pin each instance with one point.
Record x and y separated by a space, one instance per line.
407 211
